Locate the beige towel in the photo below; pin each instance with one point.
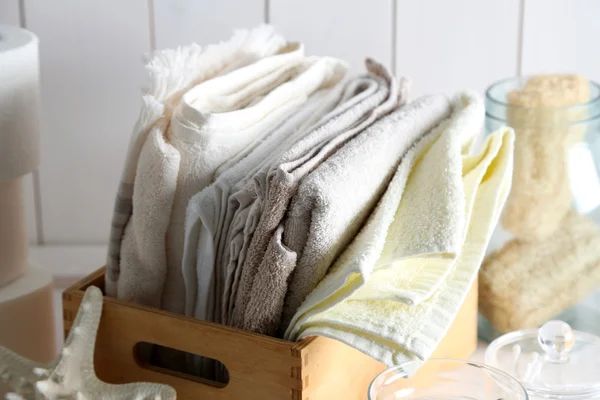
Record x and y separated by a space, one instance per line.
172 73
297 162
218 120
241 198
206 211
366 91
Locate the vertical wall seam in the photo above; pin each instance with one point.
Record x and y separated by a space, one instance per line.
520 38
151 26
22 16
394 13
267 12
35 181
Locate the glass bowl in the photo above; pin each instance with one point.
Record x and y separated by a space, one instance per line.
445 379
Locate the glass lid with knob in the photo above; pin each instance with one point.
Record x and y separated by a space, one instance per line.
445 379
553 362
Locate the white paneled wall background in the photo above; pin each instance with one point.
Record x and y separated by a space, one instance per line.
91 65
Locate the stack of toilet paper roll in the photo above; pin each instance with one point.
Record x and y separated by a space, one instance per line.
26 304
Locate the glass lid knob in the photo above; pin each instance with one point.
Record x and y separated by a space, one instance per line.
556 338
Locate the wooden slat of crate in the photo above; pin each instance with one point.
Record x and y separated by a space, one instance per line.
260 367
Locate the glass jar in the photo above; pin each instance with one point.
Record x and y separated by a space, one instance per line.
445 379
544 257
553 362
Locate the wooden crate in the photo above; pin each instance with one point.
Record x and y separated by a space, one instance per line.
260 367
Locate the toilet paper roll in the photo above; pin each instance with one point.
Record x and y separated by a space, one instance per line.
27 316
19 102
13 234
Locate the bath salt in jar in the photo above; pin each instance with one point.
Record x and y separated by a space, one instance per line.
544 258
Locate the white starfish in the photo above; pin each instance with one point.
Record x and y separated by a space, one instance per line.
72 375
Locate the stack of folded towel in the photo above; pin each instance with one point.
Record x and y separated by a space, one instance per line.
266 190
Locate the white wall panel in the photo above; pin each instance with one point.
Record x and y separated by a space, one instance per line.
91 76
181 22
562 36
9 12
91 54
9 15
351 30
446 46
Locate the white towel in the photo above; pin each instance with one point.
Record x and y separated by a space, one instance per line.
218 120
185 159
394 332
172 73
207 210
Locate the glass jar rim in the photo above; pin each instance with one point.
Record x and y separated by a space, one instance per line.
492 99
397 369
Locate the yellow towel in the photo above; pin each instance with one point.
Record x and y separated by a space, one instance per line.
422 210
392 331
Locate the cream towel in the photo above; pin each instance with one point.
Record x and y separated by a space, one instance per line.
436 202
241 199
172 73
249 197
332 202
206 212
296 163
394 332
218 120
432 200
200 140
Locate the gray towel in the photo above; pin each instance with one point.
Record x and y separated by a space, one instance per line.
332 202
329 207
207 210
300 160
246 200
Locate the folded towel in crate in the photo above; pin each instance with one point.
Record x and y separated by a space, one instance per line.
391 330
423 218
333 201
172 73
296 163
208 210
211 124
361 96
